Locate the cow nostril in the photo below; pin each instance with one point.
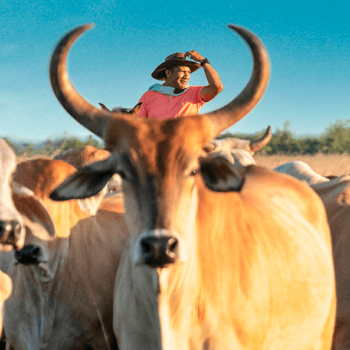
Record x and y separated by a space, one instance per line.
146 245
5 228
159 251
29 255
36 251
17 230
172 244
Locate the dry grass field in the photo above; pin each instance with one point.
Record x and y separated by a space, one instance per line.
331 164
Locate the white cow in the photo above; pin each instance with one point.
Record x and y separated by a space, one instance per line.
301 171
11 226
238 152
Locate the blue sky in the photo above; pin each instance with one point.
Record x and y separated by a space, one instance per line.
308 42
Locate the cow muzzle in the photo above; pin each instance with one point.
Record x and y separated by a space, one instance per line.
159 248
29 255
11 232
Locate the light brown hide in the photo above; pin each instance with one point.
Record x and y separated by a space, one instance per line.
258 272
335 195
71 306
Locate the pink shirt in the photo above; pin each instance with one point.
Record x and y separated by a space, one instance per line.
158 106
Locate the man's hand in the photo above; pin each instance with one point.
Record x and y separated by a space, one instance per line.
194 55
215 85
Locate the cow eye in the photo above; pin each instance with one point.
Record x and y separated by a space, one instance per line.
194 172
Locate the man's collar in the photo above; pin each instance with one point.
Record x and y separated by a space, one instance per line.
166 90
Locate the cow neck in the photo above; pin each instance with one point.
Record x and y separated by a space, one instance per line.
48 278
85 238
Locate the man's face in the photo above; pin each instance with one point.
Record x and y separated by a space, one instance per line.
178 77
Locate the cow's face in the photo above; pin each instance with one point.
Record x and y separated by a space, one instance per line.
163 167
160 189
39 231
39 253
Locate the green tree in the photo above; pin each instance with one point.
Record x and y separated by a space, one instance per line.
336 138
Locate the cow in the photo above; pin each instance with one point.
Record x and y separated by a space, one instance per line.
301 171
63 286
79 157
13 225
335 195
132 111
219 257
236 151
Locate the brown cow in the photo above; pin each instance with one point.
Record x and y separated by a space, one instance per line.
133 111
219 257
63 287
13 224
335 194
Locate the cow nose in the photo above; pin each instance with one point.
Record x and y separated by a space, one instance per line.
159 251
10 232
29 255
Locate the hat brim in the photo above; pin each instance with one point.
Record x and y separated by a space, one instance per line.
159 72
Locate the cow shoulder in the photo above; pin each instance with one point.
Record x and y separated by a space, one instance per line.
285 192
336 191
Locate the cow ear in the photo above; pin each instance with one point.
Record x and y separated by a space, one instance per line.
85 182
220 175
34 212
136 109
103 107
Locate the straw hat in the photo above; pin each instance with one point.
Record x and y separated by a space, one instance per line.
175 59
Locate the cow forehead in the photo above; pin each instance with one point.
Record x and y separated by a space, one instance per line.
80 157
159 141
41 175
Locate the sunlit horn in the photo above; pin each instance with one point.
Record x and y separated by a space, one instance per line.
256 145
240 106
82 111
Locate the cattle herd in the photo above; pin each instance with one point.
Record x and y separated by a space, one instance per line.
171 240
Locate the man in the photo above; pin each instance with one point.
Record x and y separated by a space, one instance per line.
175 97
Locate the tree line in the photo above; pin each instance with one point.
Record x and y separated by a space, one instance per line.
335 139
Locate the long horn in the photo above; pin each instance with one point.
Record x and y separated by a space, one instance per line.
82 111
256 145
95 119
240 106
